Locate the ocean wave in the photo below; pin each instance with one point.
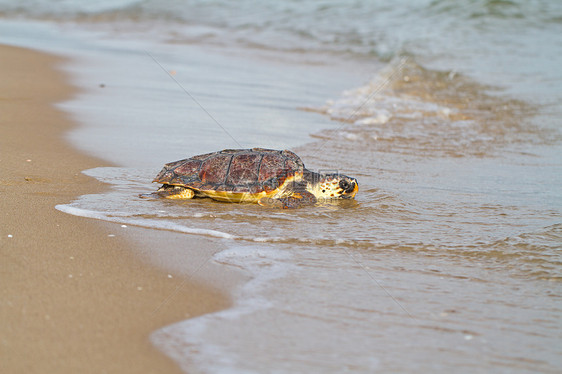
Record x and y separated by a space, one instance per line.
408 109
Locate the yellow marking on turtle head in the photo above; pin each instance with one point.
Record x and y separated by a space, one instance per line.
333 186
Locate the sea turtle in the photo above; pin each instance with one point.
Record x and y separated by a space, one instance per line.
264 176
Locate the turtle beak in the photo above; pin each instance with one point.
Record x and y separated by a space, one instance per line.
355 188
349 187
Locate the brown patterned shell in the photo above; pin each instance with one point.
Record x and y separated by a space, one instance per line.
233 170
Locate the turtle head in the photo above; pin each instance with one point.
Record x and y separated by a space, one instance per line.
333 186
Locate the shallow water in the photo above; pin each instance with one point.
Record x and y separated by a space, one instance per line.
449 257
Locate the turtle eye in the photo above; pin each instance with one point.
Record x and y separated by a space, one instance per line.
344 185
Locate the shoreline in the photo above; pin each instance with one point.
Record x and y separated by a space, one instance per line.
75 298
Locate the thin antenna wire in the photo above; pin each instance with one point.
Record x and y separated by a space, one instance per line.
193 98
369 98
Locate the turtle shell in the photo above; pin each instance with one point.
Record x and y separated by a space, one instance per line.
247 171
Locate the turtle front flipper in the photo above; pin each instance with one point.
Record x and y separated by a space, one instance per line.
296 200
171 192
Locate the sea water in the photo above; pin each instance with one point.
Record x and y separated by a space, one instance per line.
447 113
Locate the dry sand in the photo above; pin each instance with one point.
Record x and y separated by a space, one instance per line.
73 299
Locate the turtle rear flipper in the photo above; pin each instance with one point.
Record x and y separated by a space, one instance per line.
296 200
170 192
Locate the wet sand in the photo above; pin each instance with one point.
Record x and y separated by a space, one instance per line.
74 297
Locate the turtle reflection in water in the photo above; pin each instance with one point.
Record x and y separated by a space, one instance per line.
264 176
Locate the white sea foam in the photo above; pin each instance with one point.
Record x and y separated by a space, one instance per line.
166 222
378 119
142 222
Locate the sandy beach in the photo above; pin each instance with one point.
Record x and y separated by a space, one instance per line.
74 296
